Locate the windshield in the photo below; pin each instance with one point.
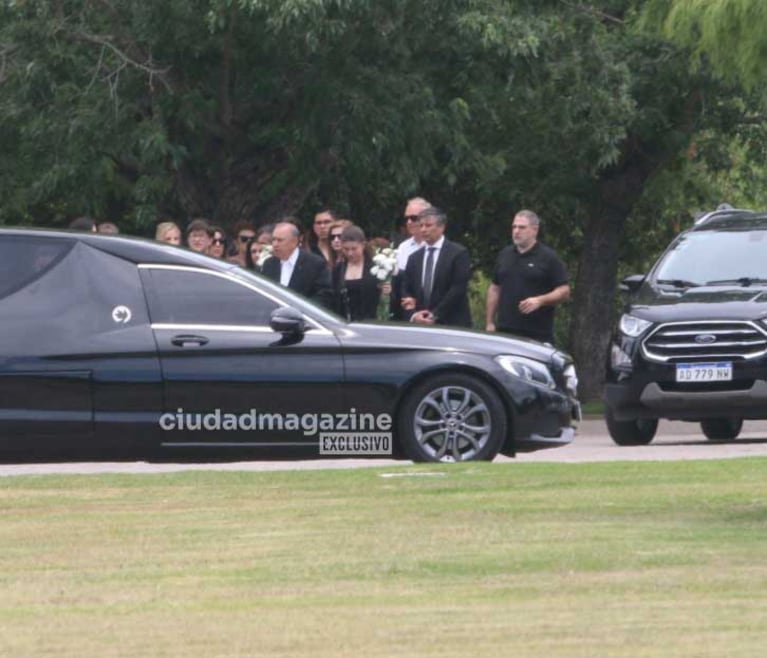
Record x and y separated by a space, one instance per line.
706 257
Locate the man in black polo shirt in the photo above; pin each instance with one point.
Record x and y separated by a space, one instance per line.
529 281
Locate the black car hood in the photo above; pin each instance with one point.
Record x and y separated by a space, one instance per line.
721 302
403 336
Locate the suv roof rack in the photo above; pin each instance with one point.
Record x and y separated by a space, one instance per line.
721 210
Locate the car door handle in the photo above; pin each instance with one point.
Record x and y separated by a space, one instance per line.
185 340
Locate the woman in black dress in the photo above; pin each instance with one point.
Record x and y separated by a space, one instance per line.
356 290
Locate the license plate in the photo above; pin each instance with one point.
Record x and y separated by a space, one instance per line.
720 371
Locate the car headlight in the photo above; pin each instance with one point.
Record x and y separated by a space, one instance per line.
632 326
527 369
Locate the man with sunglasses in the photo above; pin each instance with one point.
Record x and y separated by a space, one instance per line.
413 207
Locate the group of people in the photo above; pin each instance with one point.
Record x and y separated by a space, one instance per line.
333 264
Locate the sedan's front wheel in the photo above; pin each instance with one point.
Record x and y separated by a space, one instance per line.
452 418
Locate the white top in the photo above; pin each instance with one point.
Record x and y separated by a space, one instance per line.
405 250
287 267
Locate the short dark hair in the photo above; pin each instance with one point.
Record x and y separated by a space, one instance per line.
200 224
83 223
433 211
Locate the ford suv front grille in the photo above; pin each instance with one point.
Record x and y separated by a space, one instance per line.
692 341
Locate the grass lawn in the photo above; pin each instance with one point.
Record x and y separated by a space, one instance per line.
552 560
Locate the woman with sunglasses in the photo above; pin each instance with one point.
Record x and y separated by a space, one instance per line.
334 235
219 244
356 290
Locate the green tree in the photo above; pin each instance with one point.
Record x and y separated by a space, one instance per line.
728 35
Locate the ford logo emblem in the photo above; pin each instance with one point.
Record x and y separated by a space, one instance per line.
705 339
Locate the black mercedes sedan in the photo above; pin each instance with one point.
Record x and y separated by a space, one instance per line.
115 343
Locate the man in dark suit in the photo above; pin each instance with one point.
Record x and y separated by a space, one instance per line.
436 281
299 270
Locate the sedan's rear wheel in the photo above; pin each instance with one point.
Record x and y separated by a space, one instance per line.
721 429
452 418
634 432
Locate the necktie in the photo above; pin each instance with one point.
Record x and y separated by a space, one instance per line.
428 276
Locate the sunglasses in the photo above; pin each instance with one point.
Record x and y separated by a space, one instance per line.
219 241
335 236
245 238
412 218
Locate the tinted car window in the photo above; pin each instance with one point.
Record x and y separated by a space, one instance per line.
703 256
23 260
82 301
187 297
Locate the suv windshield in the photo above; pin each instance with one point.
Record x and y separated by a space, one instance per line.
712 257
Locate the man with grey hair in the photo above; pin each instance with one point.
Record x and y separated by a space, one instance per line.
299 270
405 250
436 281
529 281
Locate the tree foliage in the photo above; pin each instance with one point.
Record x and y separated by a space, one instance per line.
726 34
254 108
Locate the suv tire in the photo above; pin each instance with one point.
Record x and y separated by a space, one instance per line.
636 432
721 429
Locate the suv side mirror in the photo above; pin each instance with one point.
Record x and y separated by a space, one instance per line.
287 321
631 283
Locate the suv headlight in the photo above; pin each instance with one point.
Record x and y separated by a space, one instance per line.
527 369
632 326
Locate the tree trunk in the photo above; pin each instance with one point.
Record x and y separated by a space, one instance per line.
592 318
595 285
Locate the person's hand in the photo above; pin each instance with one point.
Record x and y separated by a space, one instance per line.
423 317
490 326
527 306
386 288
408 303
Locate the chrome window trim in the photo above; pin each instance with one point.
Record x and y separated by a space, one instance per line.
169 326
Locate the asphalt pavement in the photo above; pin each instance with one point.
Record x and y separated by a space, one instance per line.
674 441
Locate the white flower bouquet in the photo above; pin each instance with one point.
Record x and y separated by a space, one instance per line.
384 263
384 266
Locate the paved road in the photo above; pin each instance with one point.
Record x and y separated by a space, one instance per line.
675 440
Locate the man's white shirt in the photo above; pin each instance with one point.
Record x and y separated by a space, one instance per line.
287 267
405 250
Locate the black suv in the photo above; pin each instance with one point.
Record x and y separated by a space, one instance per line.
692 341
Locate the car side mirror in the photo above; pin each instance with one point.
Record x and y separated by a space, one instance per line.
631 283
287 321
